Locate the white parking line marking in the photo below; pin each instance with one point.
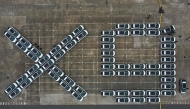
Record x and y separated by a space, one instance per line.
114 56
104 83
82 62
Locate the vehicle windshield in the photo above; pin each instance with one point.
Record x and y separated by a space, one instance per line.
107 52
75 95
152 73
106 39
106 93
107 66
122 25
63 84
122 93
168 79
7 35
122 100
57 55
23 41
8 89
167 85
122 32
168 29
30 55
76 30
137 73
167 59
107 46
11 30
107 32
153 100
35 74
137 93
168 39
80 36
137 25
153 93
53 51
68 80
80 90
24 84
64 41
122 66
19 45
168 73
69 45
35 51
46 65
168 93
184 85
152 32
168 45
52 75
122 73
137 100
137 66
56 70
137 32
13 94
20 79
42 60
30 70
106 73
167 52
152 25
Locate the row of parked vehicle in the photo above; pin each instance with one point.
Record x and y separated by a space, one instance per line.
69 42
138 73
32 52
138 99
111 53
168 43
23 44
23 81
108 66
110 45
162 59
126 26
107 43
67 83
44 61
130 33
168 46
124 95
137 29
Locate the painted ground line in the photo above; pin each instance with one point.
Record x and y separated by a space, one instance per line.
114 56
39 77
108 82
82 62
98 74
98 36
97 49
60 89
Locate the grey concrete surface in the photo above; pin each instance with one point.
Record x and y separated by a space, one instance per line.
47 22
99 107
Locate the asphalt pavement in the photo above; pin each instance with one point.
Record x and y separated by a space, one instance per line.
97 107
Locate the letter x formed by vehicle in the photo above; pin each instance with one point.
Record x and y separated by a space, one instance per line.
50 58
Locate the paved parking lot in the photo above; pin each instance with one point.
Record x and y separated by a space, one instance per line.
47 22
